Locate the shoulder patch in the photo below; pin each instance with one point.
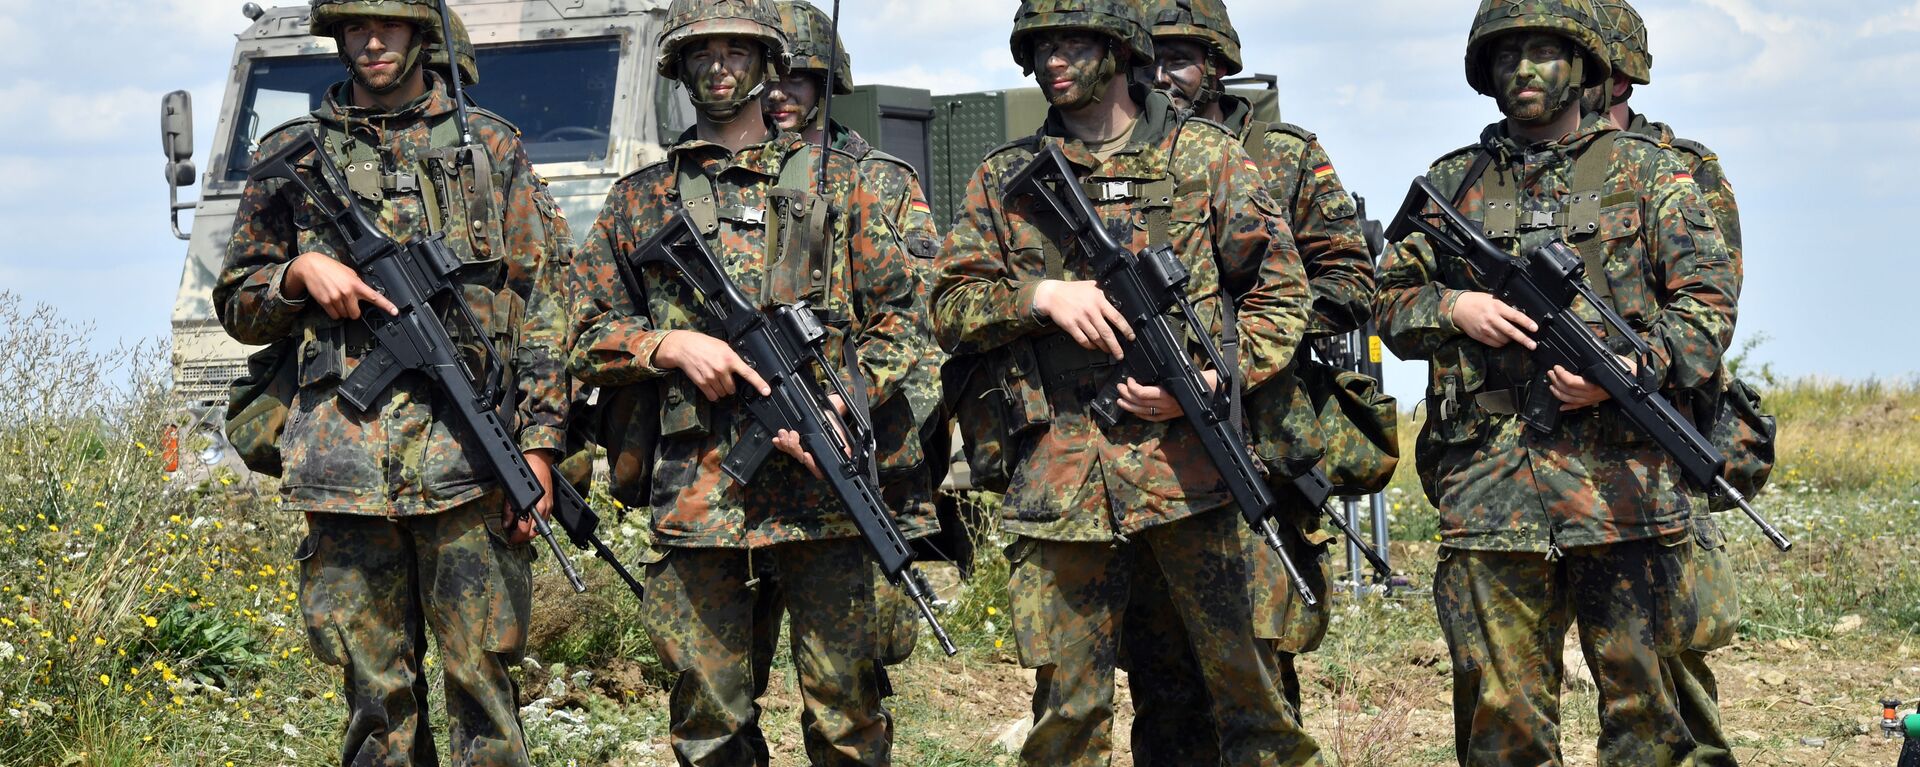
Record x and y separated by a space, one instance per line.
1293 130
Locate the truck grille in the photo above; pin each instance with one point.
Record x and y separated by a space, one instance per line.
206 382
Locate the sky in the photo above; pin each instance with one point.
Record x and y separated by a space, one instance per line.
1811 105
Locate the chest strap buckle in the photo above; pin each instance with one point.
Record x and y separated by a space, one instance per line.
1113 191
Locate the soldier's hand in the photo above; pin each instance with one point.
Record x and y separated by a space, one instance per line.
1154 403
541 461
336 287
1491 321
1082 309
1576 392
708 362
789 441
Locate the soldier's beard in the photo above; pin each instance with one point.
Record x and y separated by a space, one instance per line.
1089 82
747 86
1555 99
382 86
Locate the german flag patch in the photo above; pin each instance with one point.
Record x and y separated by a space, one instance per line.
1251 168
1683 177
920 206
1323 172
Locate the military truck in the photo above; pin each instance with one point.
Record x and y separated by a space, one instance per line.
576 77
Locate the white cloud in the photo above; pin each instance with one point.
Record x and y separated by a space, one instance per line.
75 118
1903 20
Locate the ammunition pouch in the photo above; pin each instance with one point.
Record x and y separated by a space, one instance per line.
258 403
1361 426
1746 436
997 400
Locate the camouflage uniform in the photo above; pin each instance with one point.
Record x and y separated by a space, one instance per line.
713 535
1715 587
403 524
1100 512
1605 507
905 473
1170 723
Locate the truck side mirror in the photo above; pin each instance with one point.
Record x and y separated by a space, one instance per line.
176 126
176 139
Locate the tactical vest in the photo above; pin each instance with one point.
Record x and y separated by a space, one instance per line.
800 267
1578 219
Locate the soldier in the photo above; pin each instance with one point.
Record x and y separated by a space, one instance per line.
795 103
749 190
1196 47
1695 689
1585 522
406 530
1097 511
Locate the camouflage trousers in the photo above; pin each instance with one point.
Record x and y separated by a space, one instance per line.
1070 603
371 589
896 627
1696 691
703 611
1172 715
1505 615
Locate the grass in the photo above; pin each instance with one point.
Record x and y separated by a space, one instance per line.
146 621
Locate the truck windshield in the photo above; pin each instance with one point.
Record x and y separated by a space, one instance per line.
278 90
559 93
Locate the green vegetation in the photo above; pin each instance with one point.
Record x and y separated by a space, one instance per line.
148 621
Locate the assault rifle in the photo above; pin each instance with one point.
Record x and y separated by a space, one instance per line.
413 276
1145 287
1544 287
784 345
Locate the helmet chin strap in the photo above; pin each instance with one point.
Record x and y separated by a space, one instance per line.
1210 90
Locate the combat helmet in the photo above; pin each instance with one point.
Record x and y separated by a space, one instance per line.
690 20
1203 20
810 40
462 45
326 16
1121 20
1573 19
1626 36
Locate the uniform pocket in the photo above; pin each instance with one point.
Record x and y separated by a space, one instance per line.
509 598
322 635
1715 598
1674 613
1033 590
